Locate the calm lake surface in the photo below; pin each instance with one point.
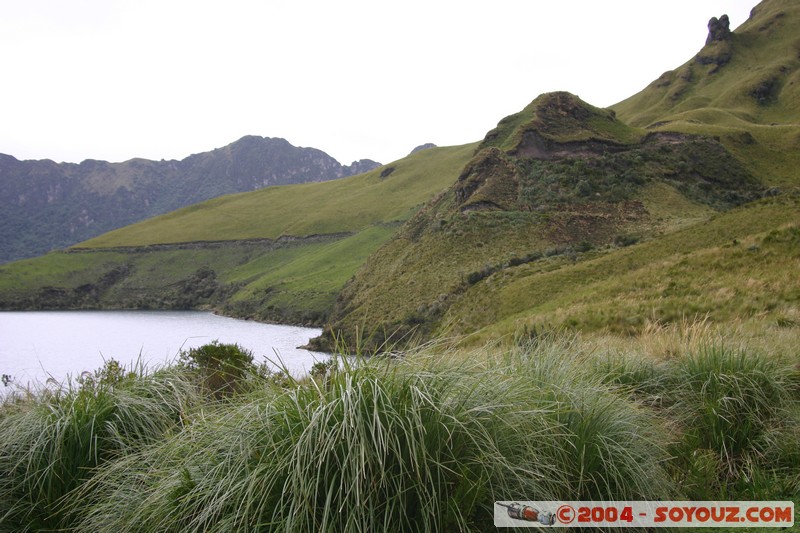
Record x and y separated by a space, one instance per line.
37 345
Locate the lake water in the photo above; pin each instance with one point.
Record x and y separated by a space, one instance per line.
37 345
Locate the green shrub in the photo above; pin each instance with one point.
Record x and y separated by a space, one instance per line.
223 367
322 370
622 240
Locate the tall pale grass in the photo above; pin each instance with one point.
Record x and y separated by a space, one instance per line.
422 443
51 440
730 395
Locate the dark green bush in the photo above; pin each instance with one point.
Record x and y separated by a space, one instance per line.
625 240
223 368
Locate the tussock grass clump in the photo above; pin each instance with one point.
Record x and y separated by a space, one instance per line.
423 443
739 417
641 377
610 443
52 439
730 397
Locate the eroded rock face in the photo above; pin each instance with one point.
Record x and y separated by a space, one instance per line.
489 181
534 145
719 29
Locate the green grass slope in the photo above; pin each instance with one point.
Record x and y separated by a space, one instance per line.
535 201
734 267
344 205
744 89
240 278
278 254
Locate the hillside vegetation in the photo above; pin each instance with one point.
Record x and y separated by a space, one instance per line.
279 254
574 216
743 87
560 213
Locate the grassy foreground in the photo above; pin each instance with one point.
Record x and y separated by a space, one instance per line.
426 441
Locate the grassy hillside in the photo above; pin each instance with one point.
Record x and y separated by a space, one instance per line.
46 205
746 90
387 194
532 206
734 267
539 228
524 228
279 254
750 78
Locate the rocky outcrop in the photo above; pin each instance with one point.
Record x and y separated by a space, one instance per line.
719 47
359 167
536 146
719 29
489 181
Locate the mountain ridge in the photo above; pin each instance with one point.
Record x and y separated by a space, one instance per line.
48 205
278 254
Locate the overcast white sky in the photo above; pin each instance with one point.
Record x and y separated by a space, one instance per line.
117 79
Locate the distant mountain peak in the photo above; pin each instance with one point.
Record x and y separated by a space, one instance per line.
421 147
